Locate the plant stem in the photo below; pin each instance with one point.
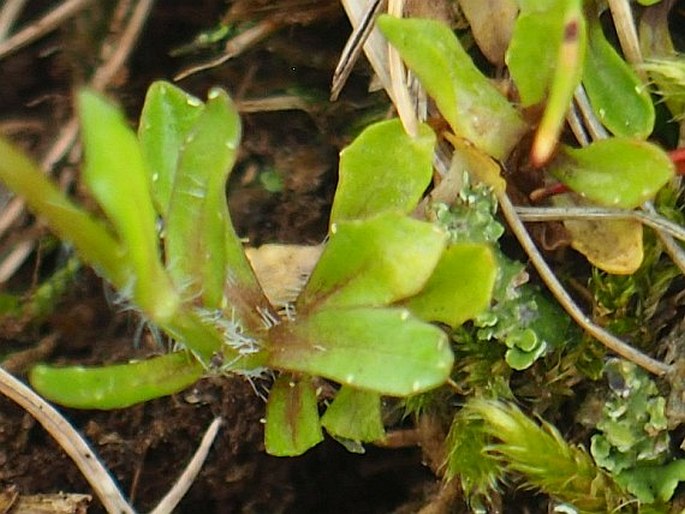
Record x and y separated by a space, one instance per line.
69 440
651 219
562 296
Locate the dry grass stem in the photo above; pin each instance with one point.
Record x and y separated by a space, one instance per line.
398 76
375 47
180 488
624 22
592 124
354 46
234 47
69 440
647 217
40 27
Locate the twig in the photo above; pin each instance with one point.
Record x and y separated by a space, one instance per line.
14 259
124 46
70 441
42 26
234 47
576 123
592 124
398 77
180 488
69 132
65 141
274 103
648 217
627 34
19 361
375 45
565 300
354 46
673 249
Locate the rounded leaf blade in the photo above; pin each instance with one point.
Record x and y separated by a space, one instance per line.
385 350
375 261
616 172
384 169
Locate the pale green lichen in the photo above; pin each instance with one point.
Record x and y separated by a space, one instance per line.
521 316
634 443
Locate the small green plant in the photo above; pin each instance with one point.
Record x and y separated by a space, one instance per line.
500 438
362 318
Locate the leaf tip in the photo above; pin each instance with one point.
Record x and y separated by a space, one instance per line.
543 148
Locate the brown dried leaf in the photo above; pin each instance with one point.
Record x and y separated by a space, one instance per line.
614 246
492 22
283 269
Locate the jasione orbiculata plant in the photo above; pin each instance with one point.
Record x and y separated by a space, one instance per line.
362 318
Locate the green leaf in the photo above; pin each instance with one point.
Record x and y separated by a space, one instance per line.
525 347
354 415
470 103
616 93
375 261
460 286
117 176
384 169
198 217
292 417
116 386
93 241
534 48
383 350
545 59
168 115
617 172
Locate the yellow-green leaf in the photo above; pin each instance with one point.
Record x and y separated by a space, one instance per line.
384 169
375 261
386 350
616 172
119 181
460 287
292 417
468 100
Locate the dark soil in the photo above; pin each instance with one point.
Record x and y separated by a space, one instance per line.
147 446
